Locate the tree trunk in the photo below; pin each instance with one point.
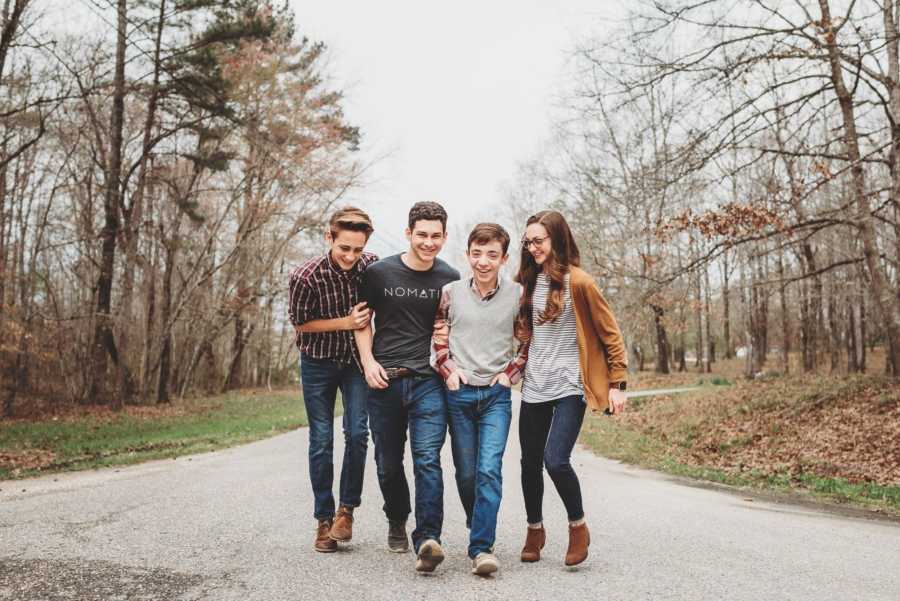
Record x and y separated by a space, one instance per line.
710 341
698 320
810 310
852 336
785 315
638 353
861 331
165 352
104 344
12 16
662 341
753 332
4 240
150 302
889 360
886 299
206 352
763 278
757 350
17 373
834 350
234 378
726 307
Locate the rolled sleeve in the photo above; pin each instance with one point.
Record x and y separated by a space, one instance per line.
516 368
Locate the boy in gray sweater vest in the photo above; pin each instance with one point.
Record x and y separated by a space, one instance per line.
479 363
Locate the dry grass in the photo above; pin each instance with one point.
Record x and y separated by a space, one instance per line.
836 427
837 435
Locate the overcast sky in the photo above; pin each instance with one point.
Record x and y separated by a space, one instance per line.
450 95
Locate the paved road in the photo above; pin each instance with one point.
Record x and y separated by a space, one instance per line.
236 525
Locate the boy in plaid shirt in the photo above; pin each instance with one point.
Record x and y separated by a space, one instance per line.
325 310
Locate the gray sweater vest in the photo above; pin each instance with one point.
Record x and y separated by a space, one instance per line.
481 332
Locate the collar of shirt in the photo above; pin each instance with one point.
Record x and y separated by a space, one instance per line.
352 272
491 294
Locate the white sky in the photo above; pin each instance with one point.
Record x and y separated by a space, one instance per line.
450 95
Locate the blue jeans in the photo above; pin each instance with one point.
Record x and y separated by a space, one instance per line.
321 379
417 403
479 425
547 433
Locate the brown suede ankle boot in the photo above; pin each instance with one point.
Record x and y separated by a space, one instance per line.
579 540
342 529
323 543
534 542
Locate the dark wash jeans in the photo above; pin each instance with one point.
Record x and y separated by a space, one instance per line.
321 379
547 433
479 426
417 403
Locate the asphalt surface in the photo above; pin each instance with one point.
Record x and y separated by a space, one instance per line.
237 525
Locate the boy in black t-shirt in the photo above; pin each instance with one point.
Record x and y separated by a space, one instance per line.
403 291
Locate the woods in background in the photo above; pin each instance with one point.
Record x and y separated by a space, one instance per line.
734 167
157 178
732 170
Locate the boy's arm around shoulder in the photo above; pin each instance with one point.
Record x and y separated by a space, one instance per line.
516 368
441 358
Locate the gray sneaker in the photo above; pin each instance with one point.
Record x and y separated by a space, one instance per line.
484 564
398 542
430 556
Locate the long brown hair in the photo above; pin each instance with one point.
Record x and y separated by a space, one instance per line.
564 255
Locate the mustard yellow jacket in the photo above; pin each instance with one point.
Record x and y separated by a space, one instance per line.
601 349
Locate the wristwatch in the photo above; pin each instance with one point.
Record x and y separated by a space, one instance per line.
619 385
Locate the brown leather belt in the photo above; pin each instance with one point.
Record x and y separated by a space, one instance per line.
398 372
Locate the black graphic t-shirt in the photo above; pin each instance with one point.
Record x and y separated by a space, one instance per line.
405 302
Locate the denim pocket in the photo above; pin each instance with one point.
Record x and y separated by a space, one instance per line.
504 393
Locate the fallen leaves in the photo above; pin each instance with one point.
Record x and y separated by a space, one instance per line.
28 459
826 426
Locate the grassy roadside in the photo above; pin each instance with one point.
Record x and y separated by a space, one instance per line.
93 437
830 439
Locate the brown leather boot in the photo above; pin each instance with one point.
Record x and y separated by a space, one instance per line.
534 542
324 543
342 529
579 540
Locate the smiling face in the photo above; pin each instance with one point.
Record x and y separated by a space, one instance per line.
426 239
486 260
346 247
538 241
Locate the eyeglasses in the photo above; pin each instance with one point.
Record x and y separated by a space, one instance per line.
537 241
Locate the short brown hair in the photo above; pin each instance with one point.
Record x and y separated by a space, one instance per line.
351 219
489 232
427 211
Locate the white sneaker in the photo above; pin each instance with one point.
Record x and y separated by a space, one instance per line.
484 564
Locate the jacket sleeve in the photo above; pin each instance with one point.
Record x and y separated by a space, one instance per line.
607 330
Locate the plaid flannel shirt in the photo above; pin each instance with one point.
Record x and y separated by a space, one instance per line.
320 289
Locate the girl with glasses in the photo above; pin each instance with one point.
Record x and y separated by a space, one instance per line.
576 359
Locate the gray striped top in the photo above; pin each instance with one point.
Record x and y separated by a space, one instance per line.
552 371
